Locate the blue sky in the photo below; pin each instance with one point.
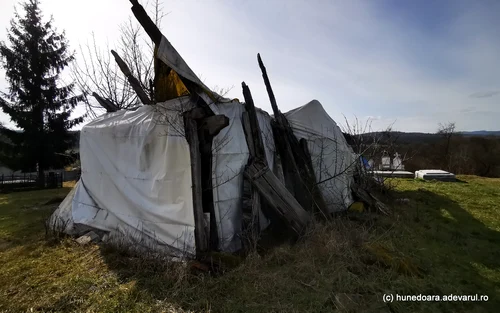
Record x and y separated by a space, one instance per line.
415 63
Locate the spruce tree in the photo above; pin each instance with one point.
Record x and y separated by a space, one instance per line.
37 101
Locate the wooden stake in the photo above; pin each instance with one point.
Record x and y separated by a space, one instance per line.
258 143
299 176
146 22
134 82
194 152
105 103
270 92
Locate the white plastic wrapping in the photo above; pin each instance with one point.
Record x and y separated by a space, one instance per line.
332 158
136 173
136 178
230 156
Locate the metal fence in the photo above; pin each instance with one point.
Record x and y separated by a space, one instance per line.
73 175
28 181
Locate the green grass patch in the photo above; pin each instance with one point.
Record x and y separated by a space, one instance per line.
444 241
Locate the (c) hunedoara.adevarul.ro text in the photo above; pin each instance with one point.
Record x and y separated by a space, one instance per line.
388 297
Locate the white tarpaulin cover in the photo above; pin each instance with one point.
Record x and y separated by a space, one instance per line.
230 156
62 219
332 158
136 174
136 178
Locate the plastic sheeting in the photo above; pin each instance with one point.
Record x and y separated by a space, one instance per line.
62 218
168 55
332 158
230 156
136 177
136 174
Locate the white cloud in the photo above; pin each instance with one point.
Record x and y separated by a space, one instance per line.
351 56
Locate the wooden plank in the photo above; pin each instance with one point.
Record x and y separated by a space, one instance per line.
146 22
299 176
155 34
105 103
196 175
245 121
254 123
270 92
134 82
277 196
207 185
255 223
369 199
255 144
293 181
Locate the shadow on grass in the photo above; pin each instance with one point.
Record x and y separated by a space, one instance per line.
461 250
157 279
460 255
456 181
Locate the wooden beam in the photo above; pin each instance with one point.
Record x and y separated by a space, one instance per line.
134 82
270 92
196 175
155 34
251 208
206 141
254 225
254 124
105 103
277 196
146 22
247 129
299 176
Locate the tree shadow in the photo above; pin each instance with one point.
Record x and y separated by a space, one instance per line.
156 275
456 180
454 243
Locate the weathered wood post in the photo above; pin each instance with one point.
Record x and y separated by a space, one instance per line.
263 179
299 176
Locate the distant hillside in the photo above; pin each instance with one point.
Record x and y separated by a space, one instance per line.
413 137
481 133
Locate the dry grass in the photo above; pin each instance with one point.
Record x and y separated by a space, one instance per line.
69 184
444 241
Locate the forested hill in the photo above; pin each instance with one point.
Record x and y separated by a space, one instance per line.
414 137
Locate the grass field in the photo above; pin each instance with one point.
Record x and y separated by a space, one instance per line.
446 240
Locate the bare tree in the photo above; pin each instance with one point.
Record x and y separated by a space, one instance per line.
97 71
447 132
